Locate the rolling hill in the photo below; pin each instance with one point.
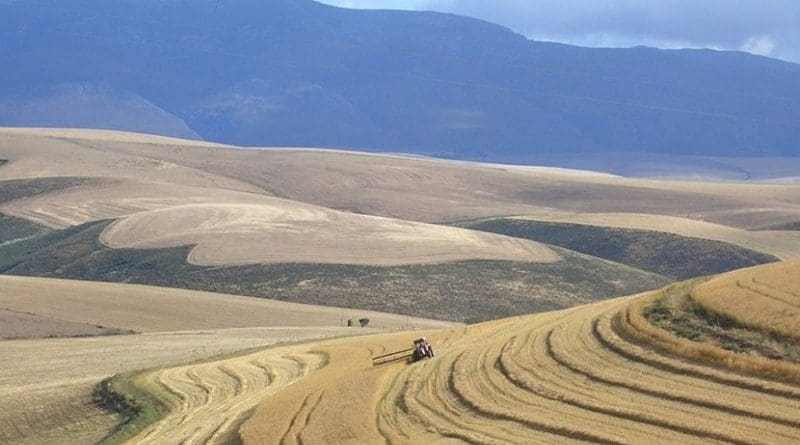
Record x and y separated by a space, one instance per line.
366 231
243 72
600 373
345 228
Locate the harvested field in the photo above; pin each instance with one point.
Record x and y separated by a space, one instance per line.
765 298
289 232
46 384
106 198
15 325
570 376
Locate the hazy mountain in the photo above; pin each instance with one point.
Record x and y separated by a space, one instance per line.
296 72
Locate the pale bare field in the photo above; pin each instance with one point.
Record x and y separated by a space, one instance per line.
109 198
286 231
231 228
766 298
782 244
18 324
157 309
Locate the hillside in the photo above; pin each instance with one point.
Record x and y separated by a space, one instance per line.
46 383
761 298
132 308
457 290
348 229
243 72
664 253
404 187
597 373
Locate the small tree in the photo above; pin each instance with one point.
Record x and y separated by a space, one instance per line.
364 322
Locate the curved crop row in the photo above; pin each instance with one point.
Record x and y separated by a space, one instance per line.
580 376
600 373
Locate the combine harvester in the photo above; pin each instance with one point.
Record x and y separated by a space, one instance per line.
421 349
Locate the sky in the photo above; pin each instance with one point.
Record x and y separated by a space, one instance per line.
765 27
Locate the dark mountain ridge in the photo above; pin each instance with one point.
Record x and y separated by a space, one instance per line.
296 72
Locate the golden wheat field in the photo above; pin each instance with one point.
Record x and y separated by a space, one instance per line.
766 298
589 374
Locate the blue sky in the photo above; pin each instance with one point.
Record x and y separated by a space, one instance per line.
765 27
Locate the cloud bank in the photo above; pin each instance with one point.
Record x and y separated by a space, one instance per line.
767 27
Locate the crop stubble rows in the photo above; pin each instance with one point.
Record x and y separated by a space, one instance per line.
582 375
570 376
210 400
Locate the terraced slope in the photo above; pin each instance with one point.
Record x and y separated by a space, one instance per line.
577 375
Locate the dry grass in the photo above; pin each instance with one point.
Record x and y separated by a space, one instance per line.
783 245
634 325
765 298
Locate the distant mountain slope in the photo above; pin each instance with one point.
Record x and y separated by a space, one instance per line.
296 72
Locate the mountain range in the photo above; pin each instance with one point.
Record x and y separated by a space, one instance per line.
300 73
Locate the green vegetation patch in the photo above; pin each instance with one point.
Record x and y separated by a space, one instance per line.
139 402
677 313
26 188
13 229
662 253
457 291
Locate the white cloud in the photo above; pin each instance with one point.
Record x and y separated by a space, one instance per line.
770 27
761 45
